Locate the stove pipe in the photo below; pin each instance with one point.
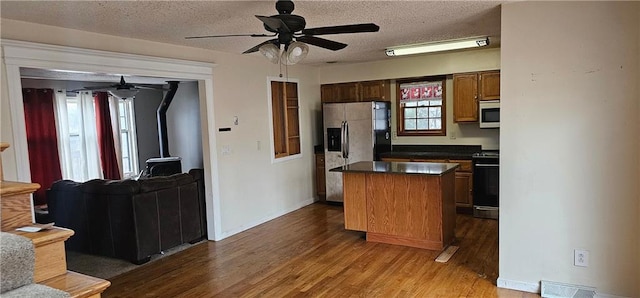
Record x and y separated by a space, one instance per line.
162 118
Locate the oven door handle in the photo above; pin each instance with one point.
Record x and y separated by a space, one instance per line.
486 165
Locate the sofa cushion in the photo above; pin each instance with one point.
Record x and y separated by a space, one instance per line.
156 183
182 178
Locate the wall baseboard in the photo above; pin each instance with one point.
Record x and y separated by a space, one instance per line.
531 287
267 218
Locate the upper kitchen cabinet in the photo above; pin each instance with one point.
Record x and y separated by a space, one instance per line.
375 90
356 91
489 85
328 93
469 88
465 97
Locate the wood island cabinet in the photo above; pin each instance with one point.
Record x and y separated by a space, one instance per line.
469 88
401 204
355 91
463 180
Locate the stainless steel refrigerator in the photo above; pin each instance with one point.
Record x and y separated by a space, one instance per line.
355 131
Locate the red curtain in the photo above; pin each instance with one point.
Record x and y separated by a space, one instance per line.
42 140
106 144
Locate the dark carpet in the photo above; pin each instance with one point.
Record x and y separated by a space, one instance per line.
106 268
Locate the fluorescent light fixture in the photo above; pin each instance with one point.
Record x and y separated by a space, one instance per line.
438 46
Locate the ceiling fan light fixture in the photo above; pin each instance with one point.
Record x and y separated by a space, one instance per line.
296 52
271 51
438 46
124 93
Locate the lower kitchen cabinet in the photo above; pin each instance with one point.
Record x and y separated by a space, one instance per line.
464 187
320 178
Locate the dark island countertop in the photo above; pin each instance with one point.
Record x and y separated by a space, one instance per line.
412 168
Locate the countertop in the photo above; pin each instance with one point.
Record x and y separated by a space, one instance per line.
419 168
432 151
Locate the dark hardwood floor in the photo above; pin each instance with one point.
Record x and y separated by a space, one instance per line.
308 253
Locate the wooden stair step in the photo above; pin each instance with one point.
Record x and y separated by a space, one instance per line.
51 259
16 204
78 285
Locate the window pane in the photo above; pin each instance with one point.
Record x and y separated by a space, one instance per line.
423 124
410 104
123 122
435 124
409 124
74 118
435 102
409 112
75 148
125 144
422 113
126 165
435 112
423 103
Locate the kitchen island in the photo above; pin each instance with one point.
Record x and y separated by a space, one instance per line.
403 203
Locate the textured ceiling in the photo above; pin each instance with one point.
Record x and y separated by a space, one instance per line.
401 22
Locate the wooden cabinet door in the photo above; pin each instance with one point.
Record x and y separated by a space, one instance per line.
465 97
375 90
328 93
490 85
464 187
320 178
347 92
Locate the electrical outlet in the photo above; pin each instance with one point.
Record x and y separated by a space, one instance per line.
581 257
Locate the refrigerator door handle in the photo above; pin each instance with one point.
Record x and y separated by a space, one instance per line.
346 134
342 141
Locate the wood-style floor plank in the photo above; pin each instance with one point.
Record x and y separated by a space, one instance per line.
308 253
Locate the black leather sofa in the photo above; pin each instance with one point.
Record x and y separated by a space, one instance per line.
130 219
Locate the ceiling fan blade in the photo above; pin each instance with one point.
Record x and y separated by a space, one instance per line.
96 88
274 23
230 35
256 48
151 87
356 28
321 42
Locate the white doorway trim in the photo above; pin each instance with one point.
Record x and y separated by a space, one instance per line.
19 54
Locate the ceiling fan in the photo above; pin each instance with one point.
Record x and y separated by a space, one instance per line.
290 32
123 89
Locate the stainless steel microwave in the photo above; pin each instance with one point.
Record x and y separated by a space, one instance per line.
489 111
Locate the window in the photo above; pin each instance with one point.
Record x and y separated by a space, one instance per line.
283 102
127 137
421 107
78 141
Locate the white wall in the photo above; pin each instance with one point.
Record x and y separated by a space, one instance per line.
425 65
252 189
145 106
570 168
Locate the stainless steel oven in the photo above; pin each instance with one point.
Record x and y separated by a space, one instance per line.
486 184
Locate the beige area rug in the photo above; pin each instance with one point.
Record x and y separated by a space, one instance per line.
106 268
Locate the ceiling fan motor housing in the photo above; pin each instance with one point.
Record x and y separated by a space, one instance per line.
285 6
